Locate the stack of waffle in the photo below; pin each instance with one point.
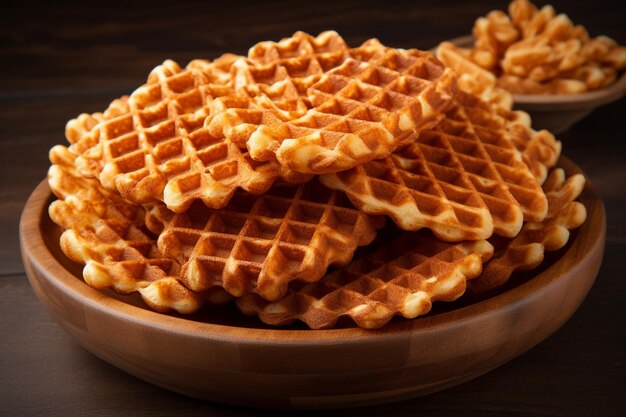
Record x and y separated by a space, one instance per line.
254 180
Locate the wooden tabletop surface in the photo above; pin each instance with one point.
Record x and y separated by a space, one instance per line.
59 61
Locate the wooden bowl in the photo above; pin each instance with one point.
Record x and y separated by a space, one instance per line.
558 112
223 357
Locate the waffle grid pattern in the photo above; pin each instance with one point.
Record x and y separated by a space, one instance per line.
540 150
362 110
105 234
403 278
464 179
283 71
160 148
260 243
526 250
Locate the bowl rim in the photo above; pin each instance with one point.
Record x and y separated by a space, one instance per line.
35 252
587 99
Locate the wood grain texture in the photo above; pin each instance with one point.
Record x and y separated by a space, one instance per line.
63 59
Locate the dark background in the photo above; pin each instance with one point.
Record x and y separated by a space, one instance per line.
72 57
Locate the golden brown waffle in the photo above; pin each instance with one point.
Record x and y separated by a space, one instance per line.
104 232
401 278
160 149
261 243
361 110
327 49
276 77
537 51
526 251
540 150
79 131
156 146
283 71
271 85
465 179
472 78
86 131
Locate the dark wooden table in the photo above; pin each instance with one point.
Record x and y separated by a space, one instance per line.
59 61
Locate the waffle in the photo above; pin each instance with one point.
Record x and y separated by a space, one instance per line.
526 251
473 78
276 77
283 71
272 83
402 278
160 149
85 132
360 110
537 51
465 179
104 232
261 243
327 46
540 150
200 186
79 131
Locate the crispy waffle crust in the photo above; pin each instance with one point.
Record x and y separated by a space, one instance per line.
154 146
271 85
472 78
464 179
540 150
361 110
402 278
258 244
526 250
280 73
104 232
320 106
